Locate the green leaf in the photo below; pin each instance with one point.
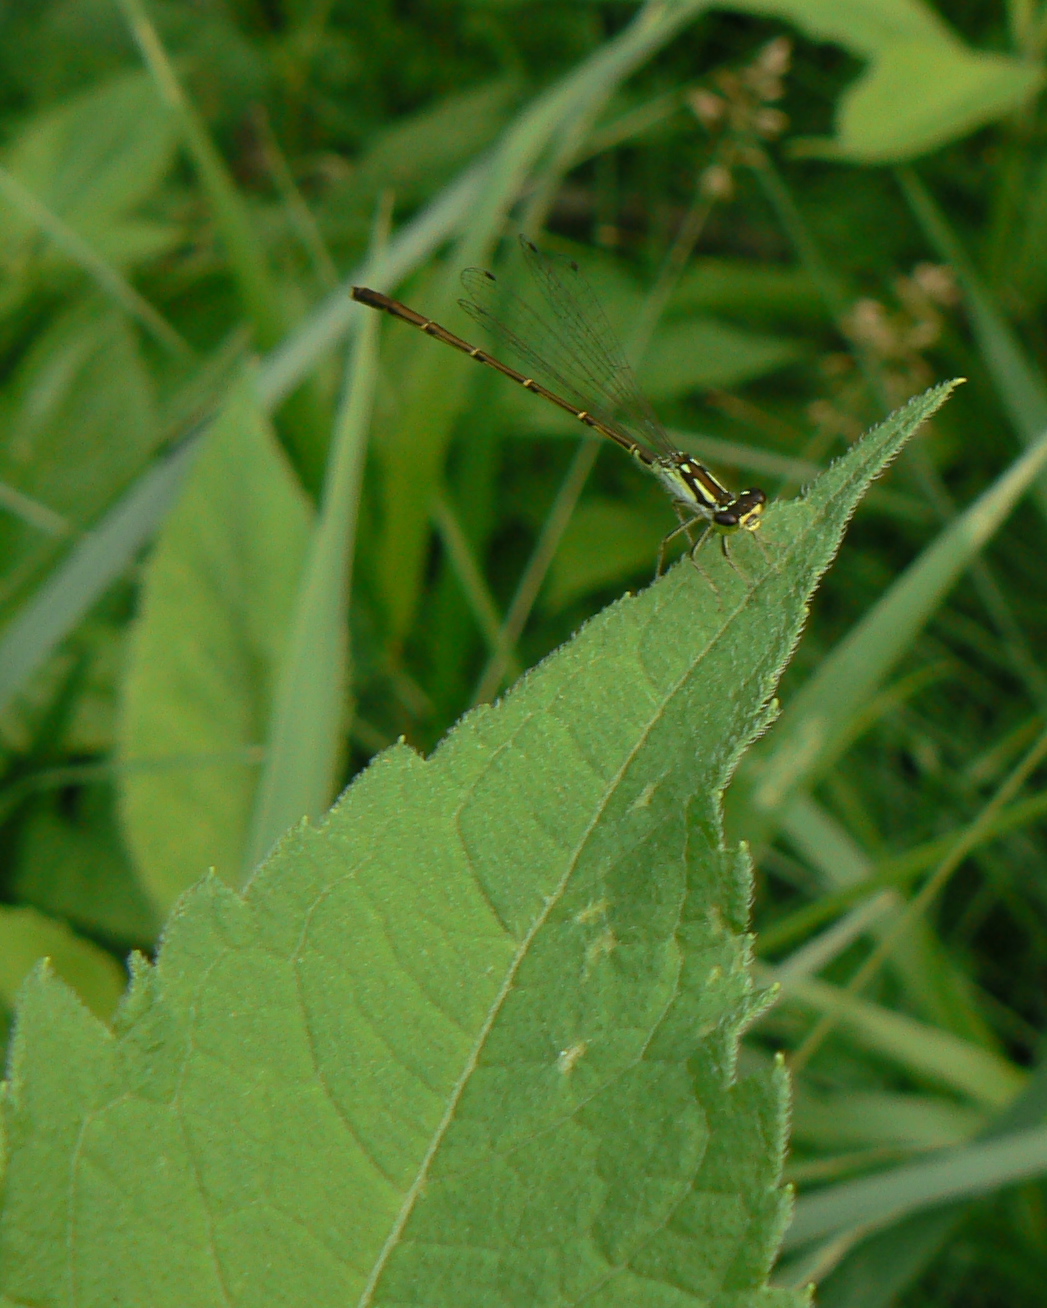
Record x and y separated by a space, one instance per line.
603 543
70 862
923 86
216 602
473 1039
92 161
700 352
82 423
26 936
882 119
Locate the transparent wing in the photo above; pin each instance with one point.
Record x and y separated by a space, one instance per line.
533 343
594 342
573 348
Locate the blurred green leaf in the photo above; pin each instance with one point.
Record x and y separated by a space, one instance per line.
699 353
946 90
81 424
923 86
92 161
604 542
70 862
217 597
27 936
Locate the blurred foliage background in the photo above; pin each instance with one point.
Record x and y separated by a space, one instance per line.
242 549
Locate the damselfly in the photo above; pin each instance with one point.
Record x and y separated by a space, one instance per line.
577 352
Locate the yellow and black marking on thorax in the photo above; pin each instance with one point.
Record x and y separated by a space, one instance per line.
697 491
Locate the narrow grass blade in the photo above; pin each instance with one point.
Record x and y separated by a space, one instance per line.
470 578
109 279
964 1173
930 978
243 249
32 511
89 569
816 724
309 722
922 1051
879 1267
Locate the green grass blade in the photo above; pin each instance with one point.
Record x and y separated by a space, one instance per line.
1019 383
896 871
963 1173
467 570
880 1267
32 511
816 724
309 707
930 978
284 369
921 1050
245 253
92 565
109 279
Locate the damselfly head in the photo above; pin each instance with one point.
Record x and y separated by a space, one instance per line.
744 513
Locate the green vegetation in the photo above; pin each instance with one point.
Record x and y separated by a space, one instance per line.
251 537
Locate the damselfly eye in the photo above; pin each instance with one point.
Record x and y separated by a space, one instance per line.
725 518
